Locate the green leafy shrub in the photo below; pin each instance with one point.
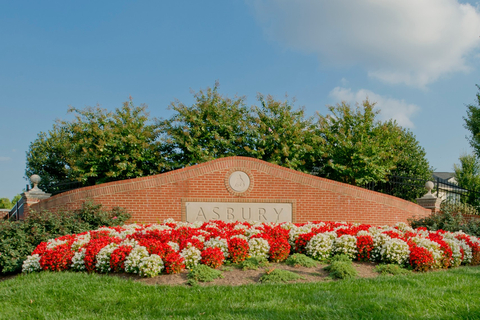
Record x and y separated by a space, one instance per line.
253 263
340 257
341 269
393 269
448 219
203 273
279 276
19 238
458 207
301 260
96 217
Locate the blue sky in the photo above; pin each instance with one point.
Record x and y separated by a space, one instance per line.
419 60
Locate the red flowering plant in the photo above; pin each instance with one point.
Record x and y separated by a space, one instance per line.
174 262
302 241
447 254
421 259
277 238
212 257
40 249
349 231
474 246
279 249
117 259
146 249
192 242
94 247
364 247
97 234
394 235
237 250
475 254
58 258
156 247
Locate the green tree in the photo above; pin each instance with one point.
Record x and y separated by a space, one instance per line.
216 126
411 167
412 158
467 174
213 127
472 124
358 149
47 156
5 203
16 199
283 135
96 147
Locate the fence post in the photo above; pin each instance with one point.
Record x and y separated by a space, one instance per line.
33 196
429 201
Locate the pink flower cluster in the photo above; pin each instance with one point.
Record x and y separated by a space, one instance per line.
172 246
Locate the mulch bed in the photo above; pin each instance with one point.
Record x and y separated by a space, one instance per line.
235 277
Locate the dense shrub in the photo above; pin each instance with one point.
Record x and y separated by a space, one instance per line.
19 238
458 207
253 263
203 273
448 219
301 260
279 276
341 267
342 270
340 257
391 269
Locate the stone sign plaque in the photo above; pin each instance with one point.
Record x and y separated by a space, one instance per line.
239 211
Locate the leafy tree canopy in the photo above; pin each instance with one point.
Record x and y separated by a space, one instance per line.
360 149
216 126
96 147
283 135
348 145
5 203
411 167
467 174
213 127
472 124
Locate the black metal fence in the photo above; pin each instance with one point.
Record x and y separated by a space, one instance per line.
17 211
63 187
410 188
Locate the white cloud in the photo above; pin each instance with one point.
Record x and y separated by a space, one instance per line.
389 108
409 41
5 158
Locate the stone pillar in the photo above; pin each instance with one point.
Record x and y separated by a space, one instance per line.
429 201
33 196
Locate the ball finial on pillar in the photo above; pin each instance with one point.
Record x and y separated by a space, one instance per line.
35 179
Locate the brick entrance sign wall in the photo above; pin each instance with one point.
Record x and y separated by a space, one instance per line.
239 188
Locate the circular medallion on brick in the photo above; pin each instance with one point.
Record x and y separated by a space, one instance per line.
239 181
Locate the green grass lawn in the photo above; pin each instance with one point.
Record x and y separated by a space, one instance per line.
452 294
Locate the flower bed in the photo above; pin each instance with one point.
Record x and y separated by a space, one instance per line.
148 250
